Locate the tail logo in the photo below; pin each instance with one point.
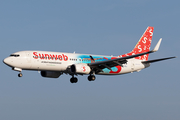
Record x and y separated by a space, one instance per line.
139 47
151 31
144 41
143 45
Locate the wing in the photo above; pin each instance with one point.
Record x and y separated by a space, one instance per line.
98 66
157 60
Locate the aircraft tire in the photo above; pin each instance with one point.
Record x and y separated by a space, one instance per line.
91 78
20 75
73 80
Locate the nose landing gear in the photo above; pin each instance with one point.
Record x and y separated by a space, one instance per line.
20 75
19 70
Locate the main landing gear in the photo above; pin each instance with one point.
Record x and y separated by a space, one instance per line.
91 77
75 80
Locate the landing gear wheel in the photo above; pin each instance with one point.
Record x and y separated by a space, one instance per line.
20 75
73 80
91 78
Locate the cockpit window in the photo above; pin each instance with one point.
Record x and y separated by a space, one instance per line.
15 55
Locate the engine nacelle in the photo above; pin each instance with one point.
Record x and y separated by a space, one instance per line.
80 68
50 74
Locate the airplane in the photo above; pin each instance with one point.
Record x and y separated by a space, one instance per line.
54 64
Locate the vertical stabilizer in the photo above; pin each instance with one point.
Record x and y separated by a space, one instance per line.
143 45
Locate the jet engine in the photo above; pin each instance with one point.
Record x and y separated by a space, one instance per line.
80 68
50 74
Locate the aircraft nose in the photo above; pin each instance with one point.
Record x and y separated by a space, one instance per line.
6 61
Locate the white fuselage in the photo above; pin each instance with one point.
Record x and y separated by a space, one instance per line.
58 61
54 64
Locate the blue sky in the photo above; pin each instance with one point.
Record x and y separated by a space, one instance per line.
105 27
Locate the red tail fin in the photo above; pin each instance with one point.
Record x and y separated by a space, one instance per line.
143 44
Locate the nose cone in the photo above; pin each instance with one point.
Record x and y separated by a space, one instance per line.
6 61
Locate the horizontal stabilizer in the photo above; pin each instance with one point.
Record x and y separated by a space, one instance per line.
156 60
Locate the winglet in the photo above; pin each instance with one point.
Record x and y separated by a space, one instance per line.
157 45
